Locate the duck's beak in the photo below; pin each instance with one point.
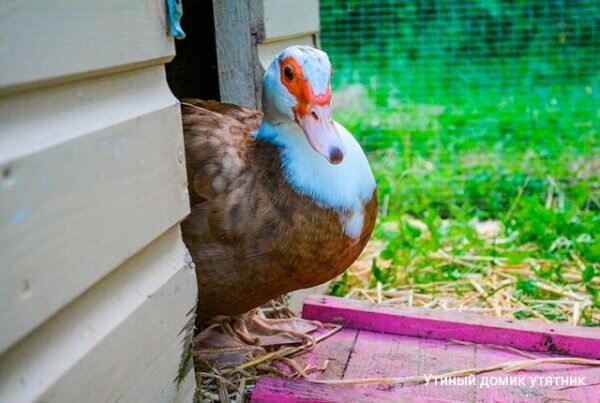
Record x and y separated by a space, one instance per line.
322 134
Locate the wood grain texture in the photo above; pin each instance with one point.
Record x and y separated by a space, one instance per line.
376 354
538 392
249 33
336 350
234 52
276 390
387 355
51 41
525 335
121 341
94 177
381 355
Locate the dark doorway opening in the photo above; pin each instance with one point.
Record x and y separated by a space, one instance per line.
193 72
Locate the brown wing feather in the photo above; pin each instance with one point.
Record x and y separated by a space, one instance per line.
251 235
217 137
250 118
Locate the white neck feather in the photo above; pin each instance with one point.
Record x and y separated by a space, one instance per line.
345 187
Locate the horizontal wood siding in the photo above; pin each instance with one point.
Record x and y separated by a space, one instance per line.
97 289
48 41
290 18
92 172
123 340
268 51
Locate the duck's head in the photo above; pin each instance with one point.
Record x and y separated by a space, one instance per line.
296 89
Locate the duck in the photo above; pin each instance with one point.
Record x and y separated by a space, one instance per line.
280 200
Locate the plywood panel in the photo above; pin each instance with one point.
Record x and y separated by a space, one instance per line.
290 18
53 40
90 173
121 341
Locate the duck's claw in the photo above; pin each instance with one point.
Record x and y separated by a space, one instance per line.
256 330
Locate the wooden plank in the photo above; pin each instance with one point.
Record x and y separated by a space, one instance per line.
274 390
257 31
532 389
524 335
91 173
336 350
438 357
290 18
121 341
50 41
234 52
378 354
386 355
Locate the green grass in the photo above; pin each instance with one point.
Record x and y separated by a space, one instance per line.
451 165
472 111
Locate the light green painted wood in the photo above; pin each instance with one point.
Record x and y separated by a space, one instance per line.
51 41
121 341
92 172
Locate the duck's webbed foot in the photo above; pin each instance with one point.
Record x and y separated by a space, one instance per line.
254 329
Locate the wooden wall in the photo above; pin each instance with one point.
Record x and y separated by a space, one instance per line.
249 33
97 290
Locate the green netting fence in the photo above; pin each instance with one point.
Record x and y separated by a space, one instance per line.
471 103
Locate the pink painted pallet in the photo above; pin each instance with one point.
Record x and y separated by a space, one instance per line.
382 341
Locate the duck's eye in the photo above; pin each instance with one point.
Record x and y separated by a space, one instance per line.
288 72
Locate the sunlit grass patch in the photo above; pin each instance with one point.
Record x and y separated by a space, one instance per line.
481 213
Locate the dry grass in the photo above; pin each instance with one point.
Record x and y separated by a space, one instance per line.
492 288
234 382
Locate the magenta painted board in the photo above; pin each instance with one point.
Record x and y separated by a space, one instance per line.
359 353
433 324
276 390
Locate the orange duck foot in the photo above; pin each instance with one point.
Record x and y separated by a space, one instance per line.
256 330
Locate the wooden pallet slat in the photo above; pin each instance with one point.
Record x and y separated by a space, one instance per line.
524 335
396 343
275 390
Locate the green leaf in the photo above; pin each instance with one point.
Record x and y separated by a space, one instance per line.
522 315
595 295
387 254
340 287
527 286
588 273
